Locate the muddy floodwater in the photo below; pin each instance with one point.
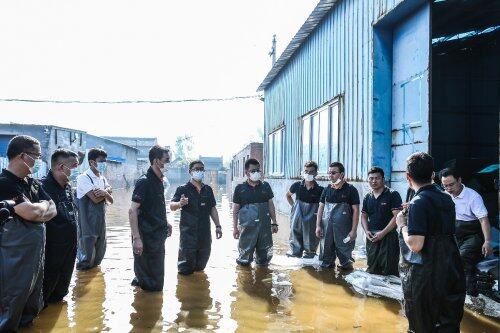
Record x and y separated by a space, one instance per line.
225 298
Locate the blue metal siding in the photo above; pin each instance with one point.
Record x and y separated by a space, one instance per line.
4 144
335 60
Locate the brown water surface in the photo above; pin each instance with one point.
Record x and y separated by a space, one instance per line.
225 298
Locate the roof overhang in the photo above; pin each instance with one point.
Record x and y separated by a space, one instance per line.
314 19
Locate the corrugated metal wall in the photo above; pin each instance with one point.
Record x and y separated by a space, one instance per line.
336 59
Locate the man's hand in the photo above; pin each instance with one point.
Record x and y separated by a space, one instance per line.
218 232
319 232
486 249
184 201
137 245
400 219
353 234
378 236
369 235
169 230
236 233
99 193
274 228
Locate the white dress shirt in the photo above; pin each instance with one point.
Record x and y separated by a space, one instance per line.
84 184
469 205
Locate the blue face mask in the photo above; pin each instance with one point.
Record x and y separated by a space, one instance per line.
73 173
101 167
36 166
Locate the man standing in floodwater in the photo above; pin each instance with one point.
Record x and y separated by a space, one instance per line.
337 220
303 240
431 270
378 217
93 193
253 211
197 203
22 236
148 223
60 248
472 226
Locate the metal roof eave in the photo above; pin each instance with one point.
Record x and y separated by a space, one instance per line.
319 12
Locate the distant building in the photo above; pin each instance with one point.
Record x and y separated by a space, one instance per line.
236 172
122 167
214 169
50 137
142 144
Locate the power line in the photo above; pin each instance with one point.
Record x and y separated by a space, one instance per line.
166 101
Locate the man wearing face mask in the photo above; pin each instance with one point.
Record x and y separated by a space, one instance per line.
337 220
22 236
253 211
60 247
303 240
148 223
197 202
93 193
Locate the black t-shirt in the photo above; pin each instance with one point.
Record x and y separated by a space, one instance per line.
199 203
14 188
149 193
380 210
347 193
62 228
431 212
306 195
245 194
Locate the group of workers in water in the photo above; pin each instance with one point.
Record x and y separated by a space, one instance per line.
48 229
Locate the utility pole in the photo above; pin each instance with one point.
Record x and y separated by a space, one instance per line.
272 53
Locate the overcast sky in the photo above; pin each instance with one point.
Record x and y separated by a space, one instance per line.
126 50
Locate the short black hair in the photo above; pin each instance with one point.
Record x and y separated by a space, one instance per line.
338 165
193 163
61 154
449 172
20 144
311 164
158 152
95 153
420 167
251 161
376 169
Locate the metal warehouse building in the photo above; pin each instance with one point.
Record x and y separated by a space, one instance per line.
368 82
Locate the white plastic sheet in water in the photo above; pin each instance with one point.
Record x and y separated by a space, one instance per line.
375 285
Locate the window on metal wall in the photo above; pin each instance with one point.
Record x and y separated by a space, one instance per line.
320 136
275 152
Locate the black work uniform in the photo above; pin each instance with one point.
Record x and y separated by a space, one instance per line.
433 281
149 267
303 240
254 223
22 248
337 224
60 247
195 236
383 255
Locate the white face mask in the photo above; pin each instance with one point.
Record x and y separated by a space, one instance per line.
198 175
337 181
36 166
255 176
307 177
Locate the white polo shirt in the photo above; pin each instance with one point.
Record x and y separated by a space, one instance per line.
84 184
469 205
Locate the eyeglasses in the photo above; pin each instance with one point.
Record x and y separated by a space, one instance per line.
33 154
333 172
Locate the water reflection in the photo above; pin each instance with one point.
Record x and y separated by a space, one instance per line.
147 311
88 296
193 292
